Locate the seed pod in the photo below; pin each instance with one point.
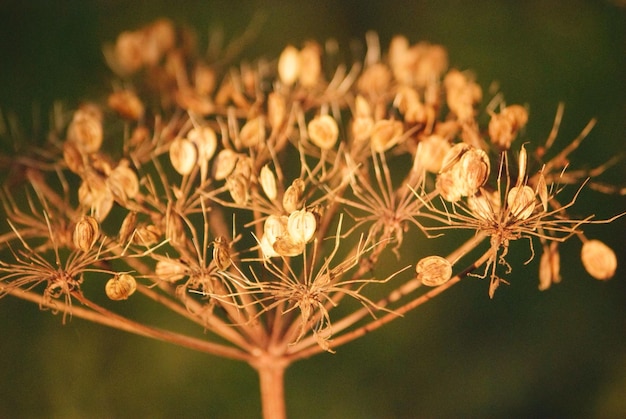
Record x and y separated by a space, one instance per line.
549 266
521 201
433 271
183 155
85 130
301 226
521 163
431 152
170 270
268 182
385 134
473 170
542 191
239 189
447 186
289 65
293 196
221 253
123 183
453 156
205 140
310 65
147 235
253 132
323 131
86 233
224 163
288 247
120 287
485 205
274 227
73 157
126 104
128 227
276 110
598 259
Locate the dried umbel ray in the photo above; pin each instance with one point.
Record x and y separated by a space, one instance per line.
253 199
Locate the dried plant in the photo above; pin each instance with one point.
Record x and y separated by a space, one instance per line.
256 200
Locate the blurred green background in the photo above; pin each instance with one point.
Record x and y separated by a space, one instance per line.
559 353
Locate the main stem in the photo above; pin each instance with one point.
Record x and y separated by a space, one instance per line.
271 372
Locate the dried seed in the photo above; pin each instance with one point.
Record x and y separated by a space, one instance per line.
301 226
521 202
289 65
485 205
123 183
183 155
120 287
221 253
385 134
253 132
268 182
126 104
73 157
288 247
128 227
293 196
433 271
147 235
598 259
431 152
310 64
323 131
276 110
170 270
549 266
85 130
86 233
239 189
274 227
224 163
205 140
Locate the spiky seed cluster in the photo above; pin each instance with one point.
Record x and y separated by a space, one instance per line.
253 199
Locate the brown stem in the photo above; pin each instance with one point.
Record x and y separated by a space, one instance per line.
271 370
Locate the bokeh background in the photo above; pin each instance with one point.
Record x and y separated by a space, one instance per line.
558 353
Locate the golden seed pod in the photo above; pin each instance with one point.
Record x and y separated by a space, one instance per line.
293 196
183 155
126 104
323 131
598 259
120 287
485 205
86 233
521 201
276 110
85 130
433 271
362 108
385 134
205 140
447 186
517 114
221 253
431 152
268 182
253 132
238 187
474 170
123 183
453 156
224 163
362 128
542 191
375 80
301 226
267 248
170 270
275 226
289 65
73 157
288 247
204 79
549 266
128 227
175 231
93 193
310 64
147 235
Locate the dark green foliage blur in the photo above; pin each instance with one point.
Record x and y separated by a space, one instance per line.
557 353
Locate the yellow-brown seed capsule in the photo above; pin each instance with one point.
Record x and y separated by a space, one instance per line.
323 131
120 287
268 182
126 104
521 201
85 130
224 163
170 270
598 259
128 227
221 253
86 233
301 226
385 134
433 271
293 196
123 183
183 155
253 132
289 65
